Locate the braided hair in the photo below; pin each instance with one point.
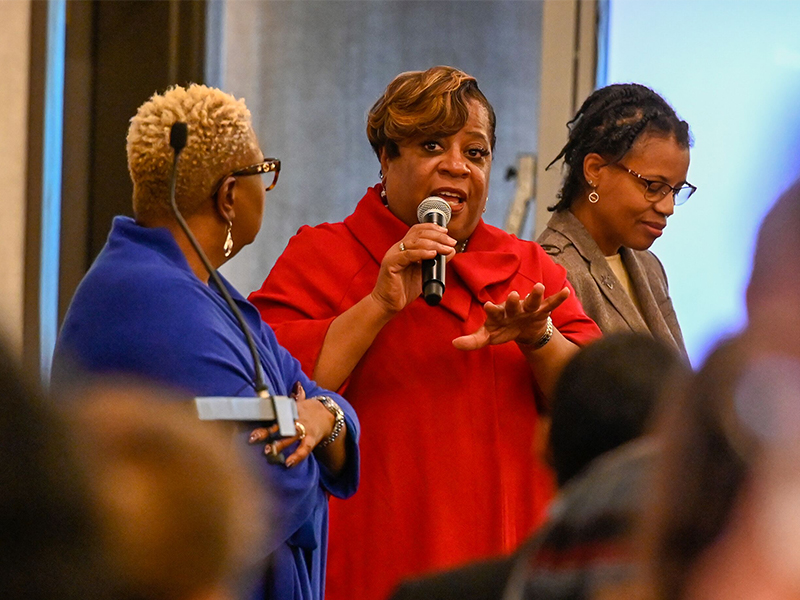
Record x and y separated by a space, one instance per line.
608 123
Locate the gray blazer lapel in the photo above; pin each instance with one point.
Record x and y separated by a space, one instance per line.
615 292
569 226
644 285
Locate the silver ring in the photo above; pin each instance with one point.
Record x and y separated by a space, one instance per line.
301 429
402 247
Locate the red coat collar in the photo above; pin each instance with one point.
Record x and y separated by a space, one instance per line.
491 257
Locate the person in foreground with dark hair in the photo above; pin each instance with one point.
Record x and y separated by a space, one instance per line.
50 541
447 394
625 165
604 400
148 307
724 515
608 395
607 400
184 515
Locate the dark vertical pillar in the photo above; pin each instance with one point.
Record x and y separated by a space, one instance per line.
77 157
140 47
118 54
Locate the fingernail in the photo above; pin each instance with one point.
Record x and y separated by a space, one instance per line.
289 463
253 437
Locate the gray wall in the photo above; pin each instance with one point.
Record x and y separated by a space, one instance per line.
310 71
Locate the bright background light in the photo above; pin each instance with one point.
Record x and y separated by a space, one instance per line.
732 70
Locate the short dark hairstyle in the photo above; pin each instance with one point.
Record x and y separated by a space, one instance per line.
608 123
606 396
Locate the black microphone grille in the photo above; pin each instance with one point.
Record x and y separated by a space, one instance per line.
434 204
178 135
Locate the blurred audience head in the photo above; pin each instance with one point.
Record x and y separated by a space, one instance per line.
182 512
220 139
724 522
773 295
606 396
49 542
701 469
727 489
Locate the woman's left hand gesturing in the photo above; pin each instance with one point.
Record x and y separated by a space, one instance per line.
314 424
520 320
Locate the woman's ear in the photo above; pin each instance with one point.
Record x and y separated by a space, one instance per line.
225 199
384 161
593 165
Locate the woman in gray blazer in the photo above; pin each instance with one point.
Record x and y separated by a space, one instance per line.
625 165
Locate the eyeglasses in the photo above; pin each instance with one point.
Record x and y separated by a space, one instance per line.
656 190
268 165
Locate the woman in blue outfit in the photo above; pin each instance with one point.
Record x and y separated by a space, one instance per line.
147 308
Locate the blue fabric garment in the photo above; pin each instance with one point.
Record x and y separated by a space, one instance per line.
141 311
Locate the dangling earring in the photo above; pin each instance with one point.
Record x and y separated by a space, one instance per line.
593 196
228 246
383 190
484 204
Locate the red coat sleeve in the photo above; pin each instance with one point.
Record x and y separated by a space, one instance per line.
303 293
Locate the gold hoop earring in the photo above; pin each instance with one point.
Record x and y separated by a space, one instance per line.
594 197
227 248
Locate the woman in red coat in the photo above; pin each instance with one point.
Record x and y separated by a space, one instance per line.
448 395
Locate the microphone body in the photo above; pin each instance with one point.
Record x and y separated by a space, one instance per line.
433 210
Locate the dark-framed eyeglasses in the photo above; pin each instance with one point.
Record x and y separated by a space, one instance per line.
268 165
656 190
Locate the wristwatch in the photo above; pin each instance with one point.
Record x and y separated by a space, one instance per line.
338 423
548 333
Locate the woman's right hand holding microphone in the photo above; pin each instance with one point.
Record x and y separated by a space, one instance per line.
399 283
400 278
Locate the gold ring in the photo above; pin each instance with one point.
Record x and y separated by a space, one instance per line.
402 247
301 429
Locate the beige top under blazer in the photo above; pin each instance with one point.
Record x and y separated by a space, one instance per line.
603 297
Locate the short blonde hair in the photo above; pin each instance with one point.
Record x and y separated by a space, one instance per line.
220 132
418 103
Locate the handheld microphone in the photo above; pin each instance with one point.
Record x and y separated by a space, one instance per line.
266 407
433 210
